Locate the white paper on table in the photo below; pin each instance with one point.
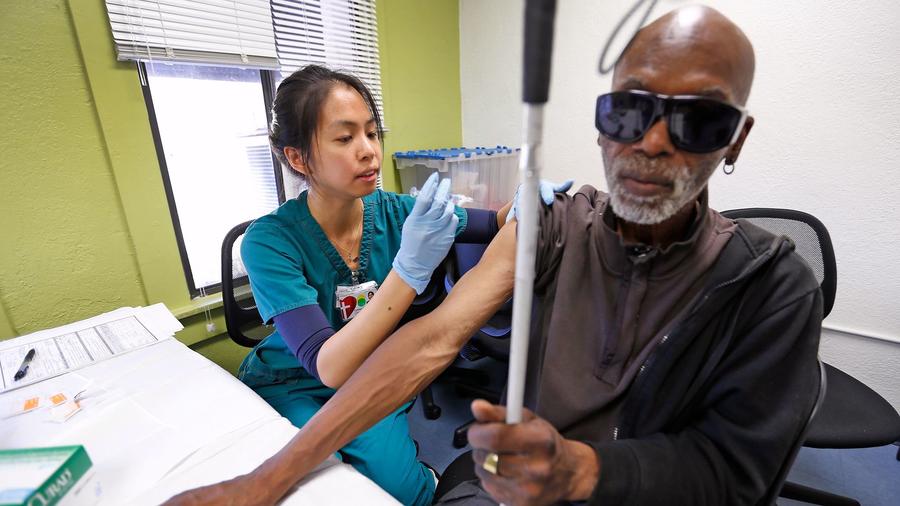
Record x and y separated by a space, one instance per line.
159 320
127 459
102 432
227 404
142 464
239 452
318 488
83 343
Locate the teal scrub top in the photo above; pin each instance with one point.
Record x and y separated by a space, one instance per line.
291 263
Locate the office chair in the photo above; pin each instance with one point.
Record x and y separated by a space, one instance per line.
852 415
238 318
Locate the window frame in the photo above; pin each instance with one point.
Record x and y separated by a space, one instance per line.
267 81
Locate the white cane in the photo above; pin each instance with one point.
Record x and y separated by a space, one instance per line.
539 16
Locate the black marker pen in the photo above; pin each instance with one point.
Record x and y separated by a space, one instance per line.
23 369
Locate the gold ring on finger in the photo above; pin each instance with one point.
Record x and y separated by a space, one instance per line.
491 463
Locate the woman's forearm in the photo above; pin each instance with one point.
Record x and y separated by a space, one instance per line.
349 347
501 214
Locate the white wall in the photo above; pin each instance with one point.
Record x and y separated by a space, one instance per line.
826 139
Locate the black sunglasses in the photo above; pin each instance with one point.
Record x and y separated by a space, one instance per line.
695 124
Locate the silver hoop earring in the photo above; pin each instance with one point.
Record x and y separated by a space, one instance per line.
726 170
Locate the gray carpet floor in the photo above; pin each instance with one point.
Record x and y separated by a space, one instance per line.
871 475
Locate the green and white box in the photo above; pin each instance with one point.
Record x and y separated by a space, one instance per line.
41 476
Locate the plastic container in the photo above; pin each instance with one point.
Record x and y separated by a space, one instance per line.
488 176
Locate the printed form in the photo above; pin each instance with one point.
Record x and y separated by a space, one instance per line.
83 343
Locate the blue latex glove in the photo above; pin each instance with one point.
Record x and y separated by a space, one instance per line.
547 189
428 233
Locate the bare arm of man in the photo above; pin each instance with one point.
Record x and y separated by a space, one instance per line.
398 369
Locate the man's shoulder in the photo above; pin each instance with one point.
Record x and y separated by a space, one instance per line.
571 217
789 270
591 196
565 229
760 242
586 200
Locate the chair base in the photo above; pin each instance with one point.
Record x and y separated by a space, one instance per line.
431 410
466 381
476 391
798 492
461 434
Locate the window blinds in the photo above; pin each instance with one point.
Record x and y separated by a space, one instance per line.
341 34
285 34
210 32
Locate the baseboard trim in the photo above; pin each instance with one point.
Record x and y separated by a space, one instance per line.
860 333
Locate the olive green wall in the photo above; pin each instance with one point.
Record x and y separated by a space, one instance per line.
420 75
83 214
67 251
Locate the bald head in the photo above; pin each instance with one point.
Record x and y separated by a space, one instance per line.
694 46
655 180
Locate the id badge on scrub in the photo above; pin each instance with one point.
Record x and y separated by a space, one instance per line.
350 299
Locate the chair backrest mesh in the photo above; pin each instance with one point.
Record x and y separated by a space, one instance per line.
811 241
806 241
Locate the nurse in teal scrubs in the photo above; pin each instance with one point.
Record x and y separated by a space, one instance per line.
337 267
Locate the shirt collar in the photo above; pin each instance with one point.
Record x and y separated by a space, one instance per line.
618 255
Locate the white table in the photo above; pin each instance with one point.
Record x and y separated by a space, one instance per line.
163 419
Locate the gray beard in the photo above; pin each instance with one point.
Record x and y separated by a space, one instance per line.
687 185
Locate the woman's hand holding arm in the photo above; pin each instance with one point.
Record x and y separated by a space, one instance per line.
510 211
